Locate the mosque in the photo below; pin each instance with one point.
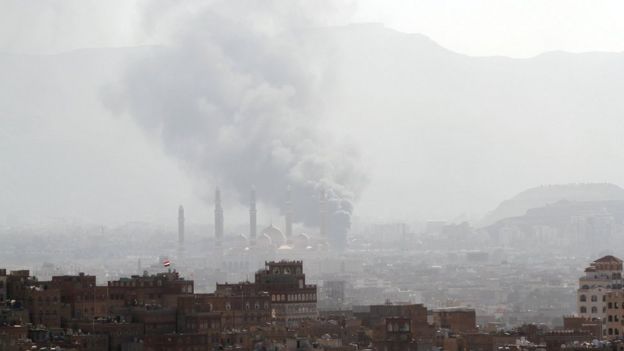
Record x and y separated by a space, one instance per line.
270 242
235 257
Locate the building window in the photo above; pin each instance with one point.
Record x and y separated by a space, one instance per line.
594 309
583 298
583 309
594 298
609 305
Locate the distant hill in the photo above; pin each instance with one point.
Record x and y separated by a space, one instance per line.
550 194
442 133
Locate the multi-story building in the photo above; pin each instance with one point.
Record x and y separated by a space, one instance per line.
614 319
601 277
375 315
162 289
231 309
79 292
463 320
45 306
292 300
395 336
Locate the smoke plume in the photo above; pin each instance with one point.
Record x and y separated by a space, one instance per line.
238 97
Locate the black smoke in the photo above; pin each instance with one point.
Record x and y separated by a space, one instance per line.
238 97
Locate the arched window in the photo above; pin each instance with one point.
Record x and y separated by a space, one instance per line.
583 309
583 298
594 298
594 309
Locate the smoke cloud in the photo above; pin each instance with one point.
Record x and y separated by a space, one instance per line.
238 97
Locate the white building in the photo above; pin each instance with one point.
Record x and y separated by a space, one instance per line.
601 277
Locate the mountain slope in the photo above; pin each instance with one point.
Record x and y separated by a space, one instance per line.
546 195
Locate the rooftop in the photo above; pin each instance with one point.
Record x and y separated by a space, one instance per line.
608 259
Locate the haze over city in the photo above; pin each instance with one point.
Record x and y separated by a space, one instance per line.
423 129
330 175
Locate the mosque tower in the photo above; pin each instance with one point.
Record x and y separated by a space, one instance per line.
252 216
289 213
181 226
218 217
323 214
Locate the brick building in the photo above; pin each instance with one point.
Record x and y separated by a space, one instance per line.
460 320
161 289
84 299
613 327
229 307
292 300
396 335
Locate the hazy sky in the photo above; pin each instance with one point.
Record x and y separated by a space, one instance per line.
517 28
67 155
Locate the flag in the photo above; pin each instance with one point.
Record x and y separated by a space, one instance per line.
166 263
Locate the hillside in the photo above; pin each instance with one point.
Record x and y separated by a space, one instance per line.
539 197
442 134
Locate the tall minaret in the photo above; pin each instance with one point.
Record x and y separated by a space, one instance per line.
181 226
252 216
218 220
323 214
288 214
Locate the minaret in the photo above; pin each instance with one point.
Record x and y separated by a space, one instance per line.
181 226
288 217
323 214
252 216
218 220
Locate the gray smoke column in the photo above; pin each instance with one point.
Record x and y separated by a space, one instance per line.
239 98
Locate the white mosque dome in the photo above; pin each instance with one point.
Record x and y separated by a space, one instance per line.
275 234
265 239
301 240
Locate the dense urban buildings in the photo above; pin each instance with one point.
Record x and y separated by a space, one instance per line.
278 310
